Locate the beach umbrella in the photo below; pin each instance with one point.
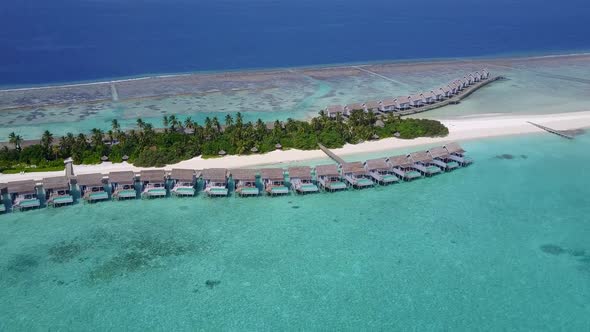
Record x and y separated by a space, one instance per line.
254 149
125 158
375 136
396 134
222 153
104 158
379 124
278 146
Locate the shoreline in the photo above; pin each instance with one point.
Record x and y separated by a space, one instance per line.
461 129
147 76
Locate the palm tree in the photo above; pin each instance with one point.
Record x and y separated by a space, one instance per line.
216 124
115 125
46 140
140 123
229 120
15 139
97 136
173 122
239 120
188 122
165 121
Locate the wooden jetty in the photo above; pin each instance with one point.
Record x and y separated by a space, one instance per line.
184 182
329 178
122 185
154 183
273 180
356 175
92 187
301 180
23 195
402 166
245 182
57 191
552 131
380 171
331 154
215 181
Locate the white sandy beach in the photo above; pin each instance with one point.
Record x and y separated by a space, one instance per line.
461 129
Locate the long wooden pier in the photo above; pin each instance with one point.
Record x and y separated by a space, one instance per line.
331 154
453 100
553 131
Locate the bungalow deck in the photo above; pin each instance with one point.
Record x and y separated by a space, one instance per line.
215 182
154 183
329 178
356 175
123 185
274 181
184 182
245 182
57 191
380 171
92 187
301 180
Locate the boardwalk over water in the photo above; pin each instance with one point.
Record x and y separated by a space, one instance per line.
553 131
331 154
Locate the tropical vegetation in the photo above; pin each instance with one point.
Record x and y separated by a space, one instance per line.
179 140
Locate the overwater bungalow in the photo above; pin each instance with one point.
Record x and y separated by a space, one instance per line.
438 94
454 89
447 91
245 182
215 181
485 74
57 191
429 97
457 154
470 79
329 178
356 175
416 100
122 185
23 194
423 163
477 76
373 106
92 187
380 171
274 181
402 167
154 183
459 84
353 107
388 105
301 180
183 182
440 157
333 110
402 103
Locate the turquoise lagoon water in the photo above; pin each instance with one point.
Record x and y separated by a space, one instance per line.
500 245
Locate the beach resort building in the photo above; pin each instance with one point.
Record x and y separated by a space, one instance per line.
440 157
334 110
215 181
457 154
422 162
122 185
388 105
356 175
57 191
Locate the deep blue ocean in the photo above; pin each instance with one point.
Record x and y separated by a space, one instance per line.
77 40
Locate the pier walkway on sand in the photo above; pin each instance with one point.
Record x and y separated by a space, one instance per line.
553 131
332 155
